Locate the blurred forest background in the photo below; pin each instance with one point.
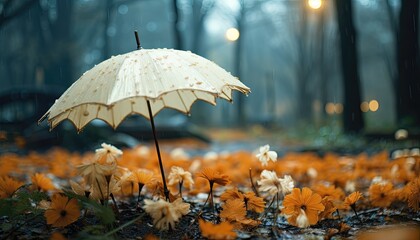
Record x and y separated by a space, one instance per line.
351 63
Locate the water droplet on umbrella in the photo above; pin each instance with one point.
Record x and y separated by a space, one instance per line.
85 113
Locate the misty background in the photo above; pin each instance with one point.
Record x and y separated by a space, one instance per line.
288 52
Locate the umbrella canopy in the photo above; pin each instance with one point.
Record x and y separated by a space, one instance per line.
143 82
122 85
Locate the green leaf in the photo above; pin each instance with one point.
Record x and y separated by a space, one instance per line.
5 227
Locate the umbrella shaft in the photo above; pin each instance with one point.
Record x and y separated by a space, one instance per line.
152 122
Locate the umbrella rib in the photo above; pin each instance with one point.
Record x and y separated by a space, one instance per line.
113 120
230 99
182 100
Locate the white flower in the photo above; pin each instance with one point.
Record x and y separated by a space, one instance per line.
179 154
164 213
195 165
378 180
286 184
266 155
409 164
312 172
108 151
269 182
142 151
350 186
178 175
394 171
211 156
415 152
272 184
302 220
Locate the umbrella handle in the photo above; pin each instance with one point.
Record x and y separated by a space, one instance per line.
137 40
162 171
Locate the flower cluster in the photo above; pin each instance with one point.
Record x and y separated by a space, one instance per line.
244 189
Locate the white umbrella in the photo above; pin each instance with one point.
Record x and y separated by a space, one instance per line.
142 82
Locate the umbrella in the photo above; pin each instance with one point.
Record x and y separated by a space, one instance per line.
143 82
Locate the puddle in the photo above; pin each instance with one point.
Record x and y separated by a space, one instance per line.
390 232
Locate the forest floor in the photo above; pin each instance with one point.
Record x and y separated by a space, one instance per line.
329 166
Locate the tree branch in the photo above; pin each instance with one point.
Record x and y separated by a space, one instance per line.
5 18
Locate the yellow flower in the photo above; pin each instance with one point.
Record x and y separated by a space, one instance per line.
107 154
224 230
80 188
302 202
8 186
179 175
380 194
164 213
41 182
102 191
62 211
141 176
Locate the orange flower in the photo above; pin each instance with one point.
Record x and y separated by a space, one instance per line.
329 208
231 194
223 230
300 205
329 191
8 186
41 182
57 236
413 197
62 211
352 199
233 210
214 176
252 202
381 194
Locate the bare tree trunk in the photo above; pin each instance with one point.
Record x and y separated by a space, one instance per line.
177 31
240 117
6 15
408 86
352 115
107 20
199 15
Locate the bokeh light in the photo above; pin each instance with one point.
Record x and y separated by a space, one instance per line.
330 108
232 34
373 105
338 108
364 106
315 4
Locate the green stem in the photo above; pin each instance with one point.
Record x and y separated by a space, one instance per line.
123 226
19 226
